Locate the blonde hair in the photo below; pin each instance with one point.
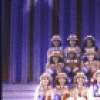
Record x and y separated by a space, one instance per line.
73 92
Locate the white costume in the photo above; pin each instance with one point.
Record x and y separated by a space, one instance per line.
78 98
94 92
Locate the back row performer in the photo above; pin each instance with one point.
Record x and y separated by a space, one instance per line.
89 43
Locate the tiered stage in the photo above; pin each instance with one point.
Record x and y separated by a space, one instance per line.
18 91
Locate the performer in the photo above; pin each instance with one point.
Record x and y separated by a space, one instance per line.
55 65
72 62
73 42
90 64
61 91
44 90
94 91
82 88
56 46
74 94
89 43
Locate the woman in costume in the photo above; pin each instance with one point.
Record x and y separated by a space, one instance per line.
90 64
89 43
44 90
72 63
56 46
61 91
73 42
94 91
55 65
80 80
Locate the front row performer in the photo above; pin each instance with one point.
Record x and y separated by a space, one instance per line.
61 91
94 91
81 86
44 90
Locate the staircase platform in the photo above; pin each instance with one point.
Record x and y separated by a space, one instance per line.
18 91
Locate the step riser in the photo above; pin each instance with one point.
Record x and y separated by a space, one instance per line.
19 87
28 98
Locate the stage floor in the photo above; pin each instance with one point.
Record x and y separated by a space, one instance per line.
18 91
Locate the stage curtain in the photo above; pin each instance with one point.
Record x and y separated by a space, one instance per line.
28 25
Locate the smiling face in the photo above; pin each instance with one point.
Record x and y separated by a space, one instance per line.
56 43
45 81
72 43
90 57
55 59
80 80
89 43
98 78
71 54
62 80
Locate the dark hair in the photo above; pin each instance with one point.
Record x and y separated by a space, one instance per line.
53 44
59 83
59 61
75 55
85 44
72 40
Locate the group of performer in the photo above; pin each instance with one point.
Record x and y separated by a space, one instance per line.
72 73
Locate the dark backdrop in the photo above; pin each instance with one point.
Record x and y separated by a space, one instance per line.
28 25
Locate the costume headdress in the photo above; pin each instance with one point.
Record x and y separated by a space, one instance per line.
72 37
90 51
45 75
80 74
55 53
56 37
89 37
61 75
71 50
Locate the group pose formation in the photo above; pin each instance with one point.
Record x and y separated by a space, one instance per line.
71 73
